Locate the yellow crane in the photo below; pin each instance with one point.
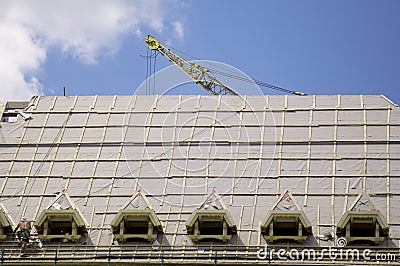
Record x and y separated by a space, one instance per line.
201 74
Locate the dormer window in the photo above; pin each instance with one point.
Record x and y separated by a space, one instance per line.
61 220
136 220
363 222
6 223
11 111
286 221
211 221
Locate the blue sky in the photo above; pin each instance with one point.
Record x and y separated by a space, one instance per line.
317 47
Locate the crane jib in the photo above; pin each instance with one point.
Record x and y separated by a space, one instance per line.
202 76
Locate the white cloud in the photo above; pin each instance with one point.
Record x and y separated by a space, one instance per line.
20 55
83 29
178 28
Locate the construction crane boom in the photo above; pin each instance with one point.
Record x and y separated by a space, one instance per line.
198 73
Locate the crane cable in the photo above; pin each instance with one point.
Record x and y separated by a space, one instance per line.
154 71
258 82
242 78
150 70
147 68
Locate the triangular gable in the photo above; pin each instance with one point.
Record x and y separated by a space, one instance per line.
6 222
139 202
363 203
285 202
62 202
5 217
212 202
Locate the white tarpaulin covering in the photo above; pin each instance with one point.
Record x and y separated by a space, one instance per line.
102 149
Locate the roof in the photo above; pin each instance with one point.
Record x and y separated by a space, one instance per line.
176 149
